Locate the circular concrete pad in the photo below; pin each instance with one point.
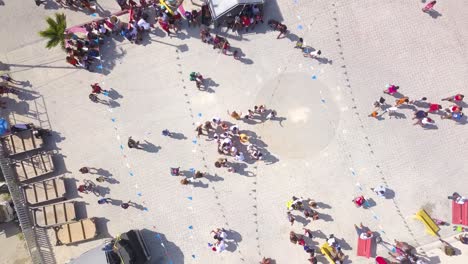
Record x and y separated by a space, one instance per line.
306 124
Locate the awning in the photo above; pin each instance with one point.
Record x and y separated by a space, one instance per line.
219 8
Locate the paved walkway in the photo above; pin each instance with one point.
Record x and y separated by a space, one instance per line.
325 148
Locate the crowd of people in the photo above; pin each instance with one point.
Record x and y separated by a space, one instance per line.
232 142
453 111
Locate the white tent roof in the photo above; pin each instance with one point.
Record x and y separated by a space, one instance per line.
220 7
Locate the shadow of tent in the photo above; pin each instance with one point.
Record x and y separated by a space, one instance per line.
169 253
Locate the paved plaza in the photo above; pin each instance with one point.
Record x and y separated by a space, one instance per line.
321 146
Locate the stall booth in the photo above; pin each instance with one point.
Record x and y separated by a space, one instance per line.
225 10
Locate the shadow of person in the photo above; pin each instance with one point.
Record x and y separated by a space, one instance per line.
246 60
323 205
325 217
113 104
113 94
25 83
51 5
302 220
397 115
233 235
150 147
103 172
280 119
25 96
178 136
213 178
112 180
135 205
434 14
200 184
323 60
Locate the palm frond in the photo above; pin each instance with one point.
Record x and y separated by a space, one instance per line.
55 31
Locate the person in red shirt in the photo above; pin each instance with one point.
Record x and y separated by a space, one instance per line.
72 61
455 98
434 108
455 109
359 201
97 89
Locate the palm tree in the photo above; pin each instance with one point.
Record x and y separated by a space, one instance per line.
56 31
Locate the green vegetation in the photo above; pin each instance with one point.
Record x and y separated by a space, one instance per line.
55 33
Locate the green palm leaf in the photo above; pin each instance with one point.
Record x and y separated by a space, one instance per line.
55 31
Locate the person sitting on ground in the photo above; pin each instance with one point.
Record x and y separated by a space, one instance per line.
265 261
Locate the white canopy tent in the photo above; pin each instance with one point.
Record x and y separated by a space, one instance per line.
219 8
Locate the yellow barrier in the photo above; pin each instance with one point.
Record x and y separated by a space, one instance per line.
327 250
431 226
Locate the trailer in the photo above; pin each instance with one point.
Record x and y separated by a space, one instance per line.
43 191
22 141
54 214
34 166
76 232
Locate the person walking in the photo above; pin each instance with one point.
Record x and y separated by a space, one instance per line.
95 99
166 133
96 89
132 143
429 6
104 200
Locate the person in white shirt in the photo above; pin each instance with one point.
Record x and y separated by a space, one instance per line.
240 156
143 24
